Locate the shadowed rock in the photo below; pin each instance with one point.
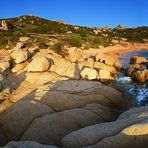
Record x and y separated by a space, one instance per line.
27 144
129 129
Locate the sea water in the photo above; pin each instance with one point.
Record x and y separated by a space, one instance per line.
138 90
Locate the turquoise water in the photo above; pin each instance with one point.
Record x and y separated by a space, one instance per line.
138 90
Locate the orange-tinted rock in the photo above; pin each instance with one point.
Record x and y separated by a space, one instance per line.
138 60
140 76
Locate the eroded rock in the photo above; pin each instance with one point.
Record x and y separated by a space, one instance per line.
138 60
41 64
127 131
4 65
89 73
27 144
138 70
20 55
104 75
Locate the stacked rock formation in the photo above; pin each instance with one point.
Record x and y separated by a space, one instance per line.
138 69
51 99
3 25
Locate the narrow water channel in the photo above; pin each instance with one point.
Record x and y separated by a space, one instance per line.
138 90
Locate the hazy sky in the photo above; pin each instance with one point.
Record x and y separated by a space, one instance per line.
82 12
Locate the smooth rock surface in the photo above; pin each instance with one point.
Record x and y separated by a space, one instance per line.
89 73
130 130
104 75
41 64
4 65
19 67
138 60
27 144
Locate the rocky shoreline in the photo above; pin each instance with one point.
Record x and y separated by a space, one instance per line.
119 50
138 69
51 101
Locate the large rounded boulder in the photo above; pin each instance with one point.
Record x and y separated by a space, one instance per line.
20 55
39 64
138 69
140 76
129 130
4 65
138 60
89 73
45 111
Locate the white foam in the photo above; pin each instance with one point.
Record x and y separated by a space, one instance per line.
124 79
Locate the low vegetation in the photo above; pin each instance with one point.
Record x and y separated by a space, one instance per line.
58 48
74 42
41 31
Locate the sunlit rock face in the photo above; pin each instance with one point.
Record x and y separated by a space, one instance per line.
27 144
77 103
3 25
55 101
138 69
41 64
138 60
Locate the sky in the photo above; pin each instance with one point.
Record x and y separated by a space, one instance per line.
93 13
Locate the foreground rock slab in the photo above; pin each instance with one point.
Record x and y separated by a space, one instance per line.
27 144
60 106
129 130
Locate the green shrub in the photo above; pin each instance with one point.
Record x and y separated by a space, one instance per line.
99 40
11 26
57 48
74 42
41 30
43 45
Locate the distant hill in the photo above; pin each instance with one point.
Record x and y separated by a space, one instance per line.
56 34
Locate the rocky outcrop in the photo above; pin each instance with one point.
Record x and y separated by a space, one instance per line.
90 62
3 25
85 65
20 55
4 65
89 73
138 60
51 97
66 69
129 130
23 113
24 39
115 41
96 31
76 54
121 27
105 59
106 28
41 64
140 76
76 27
104 75
18 46
27 144
132 68
138 70
93 61
19 67
111 69
76 103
